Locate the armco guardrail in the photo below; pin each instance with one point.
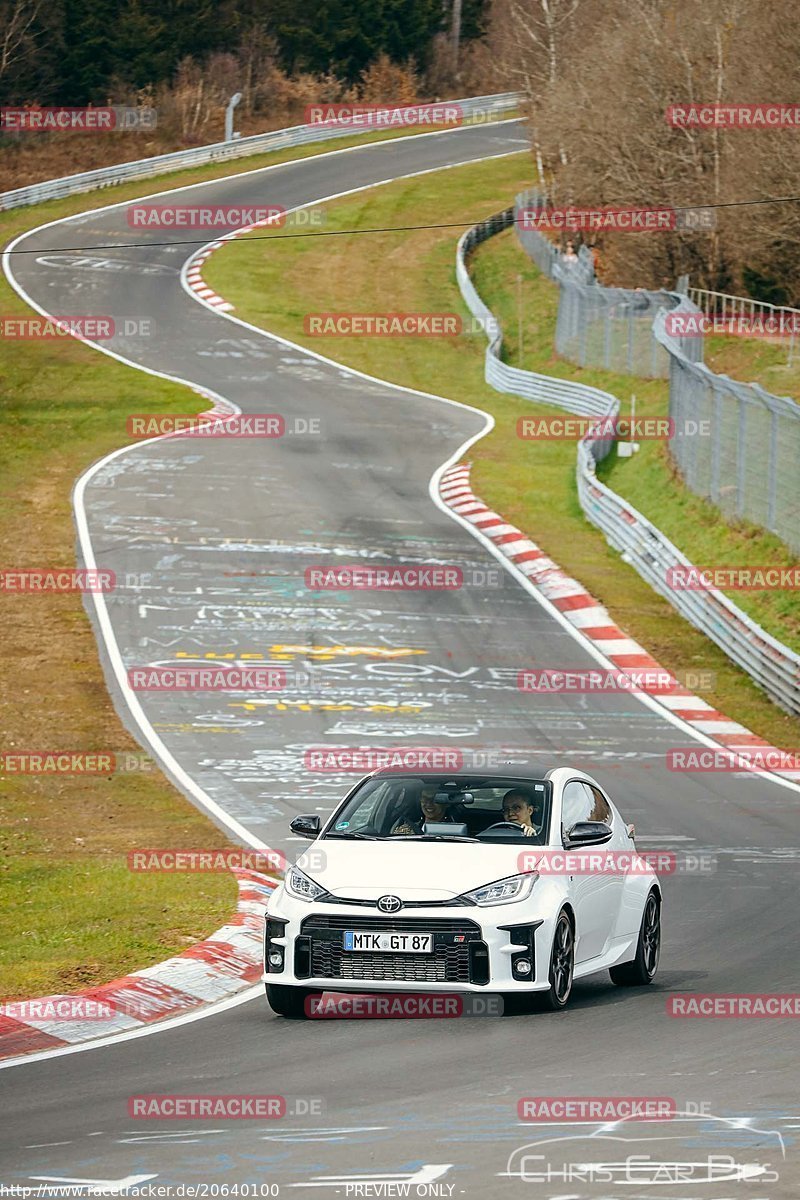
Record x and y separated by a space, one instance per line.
279 139
575 397
772 665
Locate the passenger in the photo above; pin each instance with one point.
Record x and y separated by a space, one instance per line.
519 808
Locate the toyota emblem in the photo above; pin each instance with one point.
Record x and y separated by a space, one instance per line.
390 904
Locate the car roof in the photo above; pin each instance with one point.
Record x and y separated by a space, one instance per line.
522 770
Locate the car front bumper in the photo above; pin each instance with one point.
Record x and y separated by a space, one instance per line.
476 949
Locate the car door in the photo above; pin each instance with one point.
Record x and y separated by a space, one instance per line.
596 895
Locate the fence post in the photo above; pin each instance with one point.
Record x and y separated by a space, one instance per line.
715 445
772 484
741 459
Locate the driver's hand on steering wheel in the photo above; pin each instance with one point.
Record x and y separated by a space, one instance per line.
526 830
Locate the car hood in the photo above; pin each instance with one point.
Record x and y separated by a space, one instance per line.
411 870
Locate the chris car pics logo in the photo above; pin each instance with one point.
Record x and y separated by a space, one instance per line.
685 1150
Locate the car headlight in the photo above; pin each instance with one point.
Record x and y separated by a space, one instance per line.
300 885
504 891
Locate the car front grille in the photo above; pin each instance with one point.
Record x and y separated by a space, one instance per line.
452 961
391 924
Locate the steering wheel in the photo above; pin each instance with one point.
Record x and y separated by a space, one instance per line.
514 825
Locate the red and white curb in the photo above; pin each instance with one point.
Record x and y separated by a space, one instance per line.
220 408
194 279
194 267
212 970
593 621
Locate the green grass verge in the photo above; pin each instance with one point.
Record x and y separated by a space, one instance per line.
71 914
531 483
753 360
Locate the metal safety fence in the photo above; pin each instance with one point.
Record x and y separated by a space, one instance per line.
473 108
597 326
774 666
748 461
741 313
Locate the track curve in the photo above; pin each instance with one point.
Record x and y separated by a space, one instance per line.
225 530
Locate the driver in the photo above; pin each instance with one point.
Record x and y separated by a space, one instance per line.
519 808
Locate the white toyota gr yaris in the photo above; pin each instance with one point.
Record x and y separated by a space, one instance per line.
506 882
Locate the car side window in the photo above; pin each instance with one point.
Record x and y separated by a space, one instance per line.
601 810
584 802
576 804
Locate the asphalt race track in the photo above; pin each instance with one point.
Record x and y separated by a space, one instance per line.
217 535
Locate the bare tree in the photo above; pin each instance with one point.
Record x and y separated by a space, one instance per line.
533 40
17 19
607 110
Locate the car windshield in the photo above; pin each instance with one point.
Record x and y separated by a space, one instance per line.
429 807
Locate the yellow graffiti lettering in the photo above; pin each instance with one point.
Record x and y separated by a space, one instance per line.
325 706
284 651
327 653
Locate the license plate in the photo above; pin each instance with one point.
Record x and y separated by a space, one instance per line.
388 943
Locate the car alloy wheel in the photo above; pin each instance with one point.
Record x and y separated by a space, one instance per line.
562 967
642 969
563 958
651 935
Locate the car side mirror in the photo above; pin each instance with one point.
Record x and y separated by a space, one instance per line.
587 833
306 826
